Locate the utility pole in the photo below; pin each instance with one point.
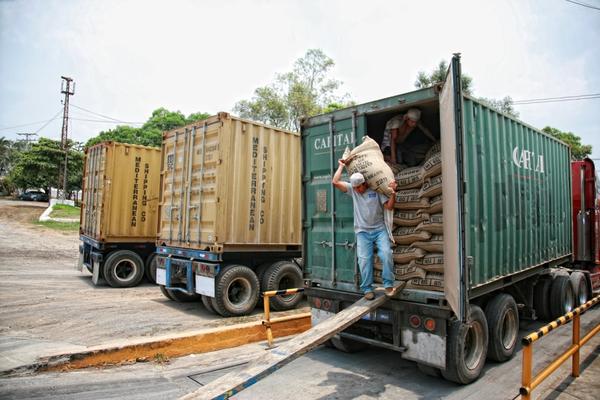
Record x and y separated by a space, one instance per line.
68 88
27 140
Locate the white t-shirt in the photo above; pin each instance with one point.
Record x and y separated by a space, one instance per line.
393 123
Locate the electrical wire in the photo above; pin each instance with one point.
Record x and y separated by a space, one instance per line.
50 120
583 4
557 99
104 116
104 121
28 124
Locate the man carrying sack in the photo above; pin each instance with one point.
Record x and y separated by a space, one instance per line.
370 229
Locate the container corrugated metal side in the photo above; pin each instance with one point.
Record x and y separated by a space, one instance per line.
230 184
518 195
120 193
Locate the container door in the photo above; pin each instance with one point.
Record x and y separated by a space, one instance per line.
329 240
455 276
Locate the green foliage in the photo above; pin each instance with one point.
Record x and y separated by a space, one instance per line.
305 91
9 151
578 150
438 75
59 226
65 211
504 105
150 134
40 166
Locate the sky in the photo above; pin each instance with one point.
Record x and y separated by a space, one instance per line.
128 58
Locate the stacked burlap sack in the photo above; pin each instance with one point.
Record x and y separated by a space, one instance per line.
417 221
418 225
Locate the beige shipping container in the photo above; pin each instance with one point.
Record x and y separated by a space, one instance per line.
120 193
230 185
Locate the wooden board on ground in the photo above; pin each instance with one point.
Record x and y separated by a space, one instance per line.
235 382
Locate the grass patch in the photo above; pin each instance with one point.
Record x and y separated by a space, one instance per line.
60 226
64 211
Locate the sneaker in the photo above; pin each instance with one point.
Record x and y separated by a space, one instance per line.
390 291
369 295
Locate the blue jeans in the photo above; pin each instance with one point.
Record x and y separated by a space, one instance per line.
365 241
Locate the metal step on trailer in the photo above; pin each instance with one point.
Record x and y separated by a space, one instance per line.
234 382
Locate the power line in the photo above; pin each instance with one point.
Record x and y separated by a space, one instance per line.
557 99
47 122
104 116
583 4
104 121
30 123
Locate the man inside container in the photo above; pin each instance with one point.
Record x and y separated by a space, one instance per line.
370 229
396 145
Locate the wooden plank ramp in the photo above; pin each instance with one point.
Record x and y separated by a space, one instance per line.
234 382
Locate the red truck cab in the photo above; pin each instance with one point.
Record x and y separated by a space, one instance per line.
586 219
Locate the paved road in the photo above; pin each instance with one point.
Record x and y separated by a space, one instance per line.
48 306
322 374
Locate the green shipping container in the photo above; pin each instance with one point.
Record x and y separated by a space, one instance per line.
506 194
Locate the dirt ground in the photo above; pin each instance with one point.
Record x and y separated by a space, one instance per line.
44 298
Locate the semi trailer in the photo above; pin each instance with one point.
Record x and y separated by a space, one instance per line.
520 231
229 214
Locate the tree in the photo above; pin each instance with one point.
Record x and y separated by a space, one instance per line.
40 166
438 75
578 150
504 105
305 91
150 134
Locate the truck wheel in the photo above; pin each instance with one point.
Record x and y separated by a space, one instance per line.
541 298
181 297
283 275
562 298
208 304
466 348
580 290
123 268
151 268
347 345
236 291
428 370
503 327
165 292
260 273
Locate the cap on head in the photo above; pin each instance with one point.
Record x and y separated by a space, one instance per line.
414 114
357 179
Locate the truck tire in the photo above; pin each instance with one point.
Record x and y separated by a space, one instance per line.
123 268
260 273
182 297
283 275
236 291
503 327
541 298
165 292
151 268
430 371
347 345
466 348
580 289
206 300
562 297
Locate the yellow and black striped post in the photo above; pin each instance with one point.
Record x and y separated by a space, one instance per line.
267 309
528 382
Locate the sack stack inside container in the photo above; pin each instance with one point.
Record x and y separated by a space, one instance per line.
418 225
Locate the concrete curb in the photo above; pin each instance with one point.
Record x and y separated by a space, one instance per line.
165 347
46 214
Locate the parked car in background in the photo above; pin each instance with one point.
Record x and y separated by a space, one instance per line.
34 195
